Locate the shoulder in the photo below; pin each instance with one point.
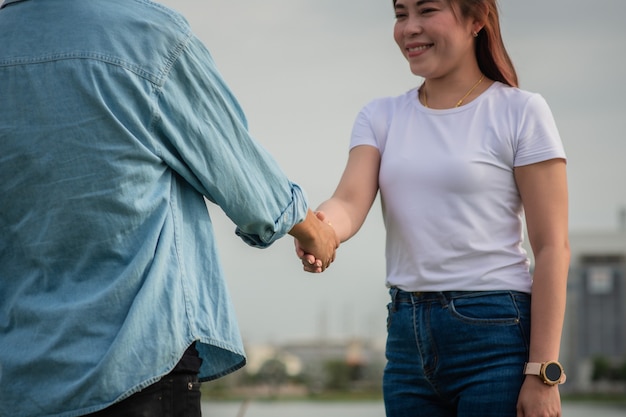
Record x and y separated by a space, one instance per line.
139 18
513 97
158 13
150 36
388 106
152 22
392 101
373 121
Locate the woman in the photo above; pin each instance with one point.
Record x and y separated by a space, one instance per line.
459 161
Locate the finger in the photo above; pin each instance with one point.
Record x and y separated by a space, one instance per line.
308 264
320 215
311 264
327 264
312 269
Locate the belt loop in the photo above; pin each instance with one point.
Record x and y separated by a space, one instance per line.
394 294
445 298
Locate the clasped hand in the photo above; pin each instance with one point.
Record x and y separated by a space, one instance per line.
317 254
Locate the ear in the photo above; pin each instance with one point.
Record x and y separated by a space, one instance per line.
482 14
477 27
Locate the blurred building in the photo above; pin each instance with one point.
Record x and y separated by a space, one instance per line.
595 323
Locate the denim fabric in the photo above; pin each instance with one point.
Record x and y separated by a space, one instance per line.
455 353
115 125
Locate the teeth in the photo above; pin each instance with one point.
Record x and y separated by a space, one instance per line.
418 48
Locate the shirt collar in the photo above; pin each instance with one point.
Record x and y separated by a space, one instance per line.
7 2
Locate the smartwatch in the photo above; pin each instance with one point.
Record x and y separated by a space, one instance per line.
551 373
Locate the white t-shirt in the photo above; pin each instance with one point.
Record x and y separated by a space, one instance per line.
451 207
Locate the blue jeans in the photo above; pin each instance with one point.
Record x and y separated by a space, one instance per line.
455 353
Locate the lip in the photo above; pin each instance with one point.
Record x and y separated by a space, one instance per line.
417 48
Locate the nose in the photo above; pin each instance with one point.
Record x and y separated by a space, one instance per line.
413 27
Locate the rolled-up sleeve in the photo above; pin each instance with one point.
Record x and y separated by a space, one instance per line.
201 133
294 213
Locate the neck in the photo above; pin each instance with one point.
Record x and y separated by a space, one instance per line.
445 94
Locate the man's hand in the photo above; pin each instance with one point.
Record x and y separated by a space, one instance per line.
316 243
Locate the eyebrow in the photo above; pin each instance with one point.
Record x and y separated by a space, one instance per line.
417 3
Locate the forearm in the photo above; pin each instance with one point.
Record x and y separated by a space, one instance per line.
347 209
548 302
344 218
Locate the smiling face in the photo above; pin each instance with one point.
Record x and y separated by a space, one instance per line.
433 36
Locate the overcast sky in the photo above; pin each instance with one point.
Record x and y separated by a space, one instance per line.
302 69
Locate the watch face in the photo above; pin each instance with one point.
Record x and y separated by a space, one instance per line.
553 372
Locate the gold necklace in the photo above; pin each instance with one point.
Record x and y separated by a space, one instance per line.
458 103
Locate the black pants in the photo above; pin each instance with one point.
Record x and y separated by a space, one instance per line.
175 395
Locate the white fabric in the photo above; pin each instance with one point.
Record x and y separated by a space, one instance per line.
451 207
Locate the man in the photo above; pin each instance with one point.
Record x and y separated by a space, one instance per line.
114 128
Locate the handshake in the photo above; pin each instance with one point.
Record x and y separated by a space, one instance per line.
316 242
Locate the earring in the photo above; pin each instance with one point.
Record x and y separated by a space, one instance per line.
475 34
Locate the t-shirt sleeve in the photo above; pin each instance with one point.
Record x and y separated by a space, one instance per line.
203 136
538 136
372 124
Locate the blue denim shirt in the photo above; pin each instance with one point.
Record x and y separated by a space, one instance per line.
114 126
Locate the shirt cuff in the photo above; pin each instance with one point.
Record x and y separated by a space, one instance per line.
293 214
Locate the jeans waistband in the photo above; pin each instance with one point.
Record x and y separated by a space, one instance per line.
400 296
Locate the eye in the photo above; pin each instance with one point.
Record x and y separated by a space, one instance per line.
400 12
427 10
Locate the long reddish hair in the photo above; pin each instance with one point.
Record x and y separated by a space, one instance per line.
493 59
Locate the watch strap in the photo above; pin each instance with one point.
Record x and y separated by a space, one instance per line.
533 368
